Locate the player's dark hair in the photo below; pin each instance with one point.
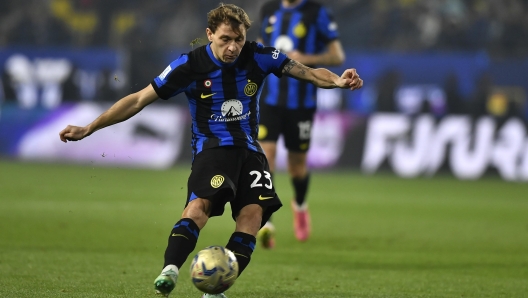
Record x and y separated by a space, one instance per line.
229 14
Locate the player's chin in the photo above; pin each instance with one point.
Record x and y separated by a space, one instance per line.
230 58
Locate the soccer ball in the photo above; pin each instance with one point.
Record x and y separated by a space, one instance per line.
214 269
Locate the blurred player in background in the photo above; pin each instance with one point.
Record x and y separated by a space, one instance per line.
306 32
222 81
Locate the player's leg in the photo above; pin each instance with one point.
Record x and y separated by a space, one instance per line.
300 178
297 140
254 204
209 189
269 130
242 242
266 235
182 241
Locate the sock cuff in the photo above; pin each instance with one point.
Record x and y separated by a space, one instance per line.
301 180
188 224
244 239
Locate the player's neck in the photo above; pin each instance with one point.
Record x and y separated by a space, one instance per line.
290 4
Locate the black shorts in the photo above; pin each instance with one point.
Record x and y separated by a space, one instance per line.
233 174
294 124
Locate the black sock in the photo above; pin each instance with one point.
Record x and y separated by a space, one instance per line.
242 245
182 241
301 188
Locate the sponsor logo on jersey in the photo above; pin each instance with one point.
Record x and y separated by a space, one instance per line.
217 181
275 54
283 43
232 110
264 198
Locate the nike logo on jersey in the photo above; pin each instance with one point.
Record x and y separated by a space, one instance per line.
206 95
264 198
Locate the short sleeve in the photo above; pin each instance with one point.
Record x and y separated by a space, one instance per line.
174 79
271 60
326 25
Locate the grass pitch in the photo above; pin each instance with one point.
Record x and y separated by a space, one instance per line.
81 231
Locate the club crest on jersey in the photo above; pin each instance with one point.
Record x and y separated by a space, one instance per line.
207 83
299 30
250 89
217 181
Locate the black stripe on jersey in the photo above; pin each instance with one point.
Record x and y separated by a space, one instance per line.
202 66
283 84
230 89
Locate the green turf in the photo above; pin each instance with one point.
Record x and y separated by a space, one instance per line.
82 231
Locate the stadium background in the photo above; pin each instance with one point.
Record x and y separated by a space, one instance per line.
430 67
444 102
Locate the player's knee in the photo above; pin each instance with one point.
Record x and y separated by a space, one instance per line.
198 210
249 219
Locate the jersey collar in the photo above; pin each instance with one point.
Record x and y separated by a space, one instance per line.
216 61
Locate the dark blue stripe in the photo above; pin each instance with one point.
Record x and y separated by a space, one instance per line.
310 45
272 97
310 99
240 240
185 224
293 93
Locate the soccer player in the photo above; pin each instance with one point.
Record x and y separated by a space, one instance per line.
222 81
306 32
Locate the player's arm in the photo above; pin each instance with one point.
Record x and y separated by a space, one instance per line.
333 56
322 77
123 109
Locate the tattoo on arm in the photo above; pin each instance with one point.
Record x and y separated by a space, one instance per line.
288 67
302 69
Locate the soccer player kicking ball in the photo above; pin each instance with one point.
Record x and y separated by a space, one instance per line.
222 81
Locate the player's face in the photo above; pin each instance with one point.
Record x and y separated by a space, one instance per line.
226 44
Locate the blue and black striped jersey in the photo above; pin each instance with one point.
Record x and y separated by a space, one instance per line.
223 97
308 28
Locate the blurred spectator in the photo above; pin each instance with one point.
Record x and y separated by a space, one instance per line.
149 33
498 26
454 100
31 23
386 90
478 102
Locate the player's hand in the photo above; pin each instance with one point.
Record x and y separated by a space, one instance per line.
73 133
350 79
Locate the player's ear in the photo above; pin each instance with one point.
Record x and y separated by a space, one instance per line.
209 34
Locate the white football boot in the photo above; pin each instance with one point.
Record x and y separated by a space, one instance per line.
166 281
